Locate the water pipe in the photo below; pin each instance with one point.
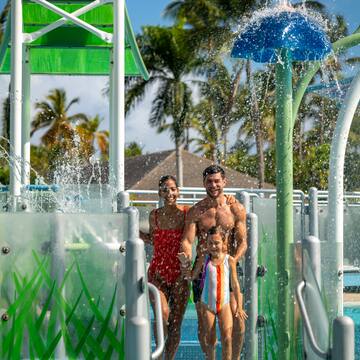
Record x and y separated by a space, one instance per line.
284 200
336 191
338 46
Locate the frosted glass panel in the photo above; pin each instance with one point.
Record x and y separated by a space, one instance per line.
265 209
61 285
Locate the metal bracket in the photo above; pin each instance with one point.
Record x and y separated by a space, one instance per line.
5 250
261 321
261 271
284 278
122 248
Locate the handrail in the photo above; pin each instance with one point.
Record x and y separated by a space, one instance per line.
159 323
301 286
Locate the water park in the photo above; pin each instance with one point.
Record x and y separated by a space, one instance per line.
78 230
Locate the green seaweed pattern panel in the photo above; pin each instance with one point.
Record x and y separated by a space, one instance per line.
61 286
265 209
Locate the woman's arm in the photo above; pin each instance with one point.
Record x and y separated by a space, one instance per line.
148 237
236 289
198 266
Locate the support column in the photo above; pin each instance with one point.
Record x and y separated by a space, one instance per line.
25 130
15 100
284 197
335 235
118 116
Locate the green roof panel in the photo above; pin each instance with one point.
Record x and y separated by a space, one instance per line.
69 49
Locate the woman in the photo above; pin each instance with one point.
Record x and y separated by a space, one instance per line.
166 228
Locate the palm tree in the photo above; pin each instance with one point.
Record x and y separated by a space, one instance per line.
3 18
53 114
221 94
209 134
170 58
91 138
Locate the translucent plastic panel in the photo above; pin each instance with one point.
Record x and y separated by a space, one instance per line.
71 198
268 285
144 212
315 309
351 235
61 285
329 270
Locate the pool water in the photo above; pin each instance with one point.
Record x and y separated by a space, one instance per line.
352 279
189 348
354 313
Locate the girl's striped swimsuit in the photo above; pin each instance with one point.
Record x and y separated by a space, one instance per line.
216 285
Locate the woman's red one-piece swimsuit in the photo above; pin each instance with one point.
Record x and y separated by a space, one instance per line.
167 243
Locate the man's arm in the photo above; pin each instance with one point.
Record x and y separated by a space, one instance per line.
240 230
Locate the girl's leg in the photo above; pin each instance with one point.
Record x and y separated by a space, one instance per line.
226 326
179 295
209 323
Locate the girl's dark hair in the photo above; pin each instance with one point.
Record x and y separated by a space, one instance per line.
165 178
216 230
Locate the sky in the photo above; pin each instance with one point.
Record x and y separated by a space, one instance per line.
89 89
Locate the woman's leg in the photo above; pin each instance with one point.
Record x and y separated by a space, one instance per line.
179 296
164 296
209 323
226 326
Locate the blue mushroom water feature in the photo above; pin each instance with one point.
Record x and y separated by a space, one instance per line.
281 36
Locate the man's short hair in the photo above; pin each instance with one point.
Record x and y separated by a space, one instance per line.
213 169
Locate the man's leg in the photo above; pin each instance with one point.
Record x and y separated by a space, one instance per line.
238 331
226 327
179 295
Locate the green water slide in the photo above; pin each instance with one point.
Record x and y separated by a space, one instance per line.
69 49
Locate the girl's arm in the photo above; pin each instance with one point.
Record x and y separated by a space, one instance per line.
236 289
147 237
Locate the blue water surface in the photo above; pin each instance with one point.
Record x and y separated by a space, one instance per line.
352 279
354 313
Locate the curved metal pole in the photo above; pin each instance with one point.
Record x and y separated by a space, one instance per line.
303 83
336 187
159 322
322 354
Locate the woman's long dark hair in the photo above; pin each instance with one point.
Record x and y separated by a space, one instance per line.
165 178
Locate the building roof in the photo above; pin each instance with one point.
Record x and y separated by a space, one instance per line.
143 172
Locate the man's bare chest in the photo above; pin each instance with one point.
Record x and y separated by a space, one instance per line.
222 217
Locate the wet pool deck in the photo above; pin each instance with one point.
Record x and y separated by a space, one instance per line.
352 298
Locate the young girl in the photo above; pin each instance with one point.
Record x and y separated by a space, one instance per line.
218 278
166 228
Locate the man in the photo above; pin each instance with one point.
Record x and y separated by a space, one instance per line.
220 210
